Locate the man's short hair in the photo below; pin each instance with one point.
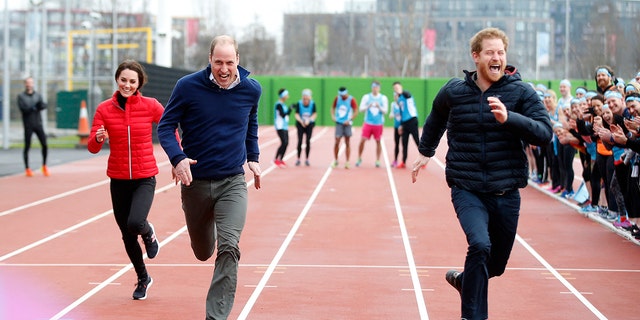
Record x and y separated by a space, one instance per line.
223 39
488 33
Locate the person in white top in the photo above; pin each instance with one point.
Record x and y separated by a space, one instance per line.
375 105
565 94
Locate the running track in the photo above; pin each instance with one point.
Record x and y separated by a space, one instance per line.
319 243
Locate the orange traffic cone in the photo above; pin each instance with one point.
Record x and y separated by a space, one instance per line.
83 125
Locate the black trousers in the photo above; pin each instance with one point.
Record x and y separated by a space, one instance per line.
28 133
284 142
131 200
409 128
306 132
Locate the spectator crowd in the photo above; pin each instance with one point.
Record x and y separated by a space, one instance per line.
601 127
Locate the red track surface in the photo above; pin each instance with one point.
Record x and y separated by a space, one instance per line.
319 243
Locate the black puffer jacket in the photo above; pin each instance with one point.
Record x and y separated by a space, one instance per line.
30 105
484 155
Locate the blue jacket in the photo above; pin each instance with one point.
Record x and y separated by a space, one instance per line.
219 126
484 155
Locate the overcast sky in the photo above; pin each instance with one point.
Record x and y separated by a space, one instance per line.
240 12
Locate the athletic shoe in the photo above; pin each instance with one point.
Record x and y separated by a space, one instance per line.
297 162
623 224
612 215
334 164
566 194
394 164
358 162
453 278
306 163
140 293
377 164
45 171
585 203
588 209
555 190
28 172
401 165
151 243
279 163
346 165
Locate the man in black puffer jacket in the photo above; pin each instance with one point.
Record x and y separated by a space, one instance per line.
489 117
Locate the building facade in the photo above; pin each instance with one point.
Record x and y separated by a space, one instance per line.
430 38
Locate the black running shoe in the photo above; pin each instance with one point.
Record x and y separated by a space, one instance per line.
151 243
140 293
453 278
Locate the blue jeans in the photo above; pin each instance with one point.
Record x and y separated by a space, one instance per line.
215 211
489 221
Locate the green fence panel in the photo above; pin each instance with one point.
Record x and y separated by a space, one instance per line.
325 89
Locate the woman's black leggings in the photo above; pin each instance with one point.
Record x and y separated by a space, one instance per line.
284 142
409 128
396 140
131 200
302 131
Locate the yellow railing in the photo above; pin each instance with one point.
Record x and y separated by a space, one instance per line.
72 33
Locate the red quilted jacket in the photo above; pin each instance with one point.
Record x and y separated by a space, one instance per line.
130 135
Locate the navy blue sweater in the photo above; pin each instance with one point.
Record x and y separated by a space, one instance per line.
219 126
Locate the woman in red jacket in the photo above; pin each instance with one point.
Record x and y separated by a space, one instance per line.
126 119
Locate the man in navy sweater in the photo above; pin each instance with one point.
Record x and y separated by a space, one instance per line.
216 108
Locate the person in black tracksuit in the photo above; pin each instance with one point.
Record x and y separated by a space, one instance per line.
489 116
30 104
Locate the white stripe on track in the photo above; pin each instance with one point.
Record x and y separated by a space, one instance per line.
122 271
417 288
111 279
285 244
55 235
560 278
55 197
553 271
64 194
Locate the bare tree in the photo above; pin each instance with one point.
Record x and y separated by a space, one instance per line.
258 51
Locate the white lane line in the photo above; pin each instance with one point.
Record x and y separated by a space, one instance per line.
417 289
55 235
553 271
560 278
55 197
93 185
63 194
70 229
285 244
90 220
310 266
130 266
111 279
